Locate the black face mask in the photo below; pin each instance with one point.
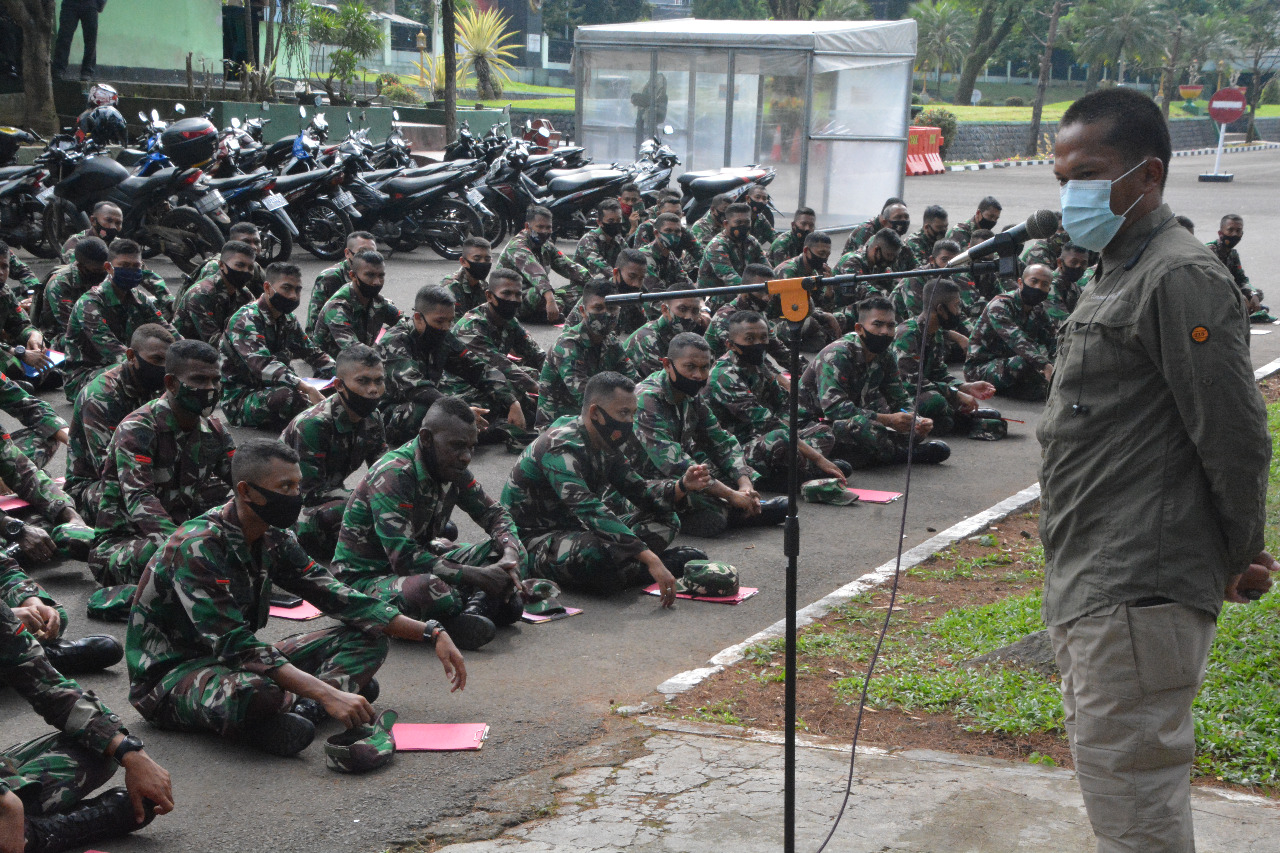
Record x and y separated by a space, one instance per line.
613 229
108 234
368 291
196 401
685 385
536 240
624 286
237 278
361 407
480 269
91 278
1072 274
1032 296
984 223
800 233
430 337
1230 241
614 432
876 344
506 308
900 226
284 304
751 354
126 278
739 233
759 207
279 510
150 377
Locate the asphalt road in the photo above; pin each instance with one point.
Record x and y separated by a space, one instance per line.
543 688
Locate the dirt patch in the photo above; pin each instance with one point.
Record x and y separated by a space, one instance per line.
1270 389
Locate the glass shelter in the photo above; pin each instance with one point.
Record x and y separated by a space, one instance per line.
826 104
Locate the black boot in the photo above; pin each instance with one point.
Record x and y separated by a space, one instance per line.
371 691
470 630
310 710
985 415
282 734
449 531
772 511
499 611
109 815
88 654
676 558
930 452
845 466
282 598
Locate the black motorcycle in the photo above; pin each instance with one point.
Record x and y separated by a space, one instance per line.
700 187
23 196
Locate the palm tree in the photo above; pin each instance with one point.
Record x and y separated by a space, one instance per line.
1118 32
1209 40
943 32
483 36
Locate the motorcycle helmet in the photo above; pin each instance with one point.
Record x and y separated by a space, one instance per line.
104 125
102 95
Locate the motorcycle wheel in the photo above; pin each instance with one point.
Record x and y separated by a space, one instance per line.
61 220
456 217
277 242
201 241
495 228
322 228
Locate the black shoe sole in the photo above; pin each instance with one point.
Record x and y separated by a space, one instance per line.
470 631
284 735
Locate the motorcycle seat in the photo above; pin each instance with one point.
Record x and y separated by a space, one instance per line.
134 184
289 183
583 180
237 181
410 186
377 175
9 173
713 184
552 174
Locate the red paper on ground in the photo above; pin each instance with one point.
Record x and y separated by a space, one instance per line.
871 496
744 592
439 737
304 611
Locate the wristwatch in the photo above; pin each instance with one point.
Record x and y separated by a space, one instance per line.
431 629
128 745
11 528
18 351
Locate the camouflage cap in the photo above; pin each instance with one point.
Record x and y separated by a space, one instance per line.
988 429
704 577
828 491
111 603
73 540
362 748
541 597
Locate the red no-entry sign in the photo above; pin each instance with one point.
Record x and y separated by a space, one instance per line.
1227 105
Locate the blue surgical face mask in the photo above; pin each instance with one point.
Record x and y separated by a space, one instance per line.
1086 211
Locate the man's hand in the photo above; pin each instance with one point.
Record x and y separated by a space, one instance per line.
635 219
785 381
696 478
746 499
924 426
515 415
830 468
70 516
36 543
980 390
493 581
62 436
553 308
896 421
350 709
966 403
313 396
1254 582
36 358
831 322
13 837
663 577
146 780
1047 373
41 620
482 423
957 338
455 669
510 563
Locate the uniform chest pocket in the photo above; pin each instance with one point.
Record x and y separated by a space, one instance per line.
1103 339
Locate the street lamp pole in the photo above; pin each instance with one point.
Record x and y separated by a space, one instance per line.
422 60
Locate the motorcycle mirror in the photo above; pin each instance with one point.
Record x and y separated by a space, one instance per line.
348 117
302 112
142 117
362 116
667 130
180 109
235 122
318 100
266 107
395 114
528 125
155 115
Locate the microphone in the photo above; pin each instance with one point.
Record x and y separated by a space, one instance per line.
1039 225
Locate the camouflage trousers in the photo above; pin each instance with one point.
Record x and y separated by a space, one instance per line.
947 420
578 559
1013 377
263 408
38 450
768 454
427 596
402 421
121 559
76 378
318 527
86 496
52 773
865 442
533 305
207 695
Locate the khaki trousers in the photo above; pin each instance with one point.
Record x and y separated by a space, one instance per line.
1129 676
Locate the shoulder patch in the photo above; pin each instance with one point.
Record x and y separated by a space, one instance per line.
1200 334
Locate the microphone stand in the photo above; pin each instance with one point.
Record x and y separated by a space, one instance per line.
794 294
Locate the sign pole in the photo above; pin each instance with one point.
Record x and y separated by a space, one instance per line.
1222 141
1225 106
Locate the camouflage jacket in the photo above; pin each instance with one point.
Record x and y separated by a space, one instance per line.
345 320
20 272
1007 328
763 231
100 407
706 228
534 266
156 475
399 507
15 325
30 483
63 289
151 282
1233 265
598 253
32 412
331 447
906 353
1063 297
559 483
101 324
662 273
841 385
465 294
210 270
647 345
725 259
327 283
205 308
785 247
717 333
1043 251
414 372
858 263
797 267
668 433
687 253
493 339
16 586
257 349
208 592
78 713
860 234
571 362
921 245
747 401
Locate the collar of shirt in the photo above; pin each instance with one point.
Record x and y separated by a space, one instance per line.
1124 247
336 410
163 410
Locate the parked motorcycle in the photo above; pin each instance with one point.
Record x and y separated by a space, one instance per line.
23 196
700 187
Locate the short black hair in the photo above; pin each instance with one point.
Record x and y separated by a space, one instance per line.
282 269
663 219
1185 222
149 332
252 458
629 188
892 204
357 354
687 340
359 235
874 303
188 349
669 198
1072 247
91 249
1230 217
888 237
604 385
498 276
938 291
631 258
104 204
608 204
891 200
448 407
817 238
722 198
981 234
599 287
4 249
945 246
537 211
236 247
123 246
804 211
433 296
1135 127
242 228
739 318
474 242
990 203
934 212
737 207
759 272
372 257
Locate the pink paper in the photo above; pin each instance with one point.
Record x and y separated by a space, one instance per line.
304 611
871 496
9 503
439 737
744 592
538 619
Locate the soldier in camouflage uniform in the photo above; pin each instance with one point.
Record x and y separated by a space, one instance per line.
790 244
388 545
932 229
631 275
241 232
598 250
167 462
417 352
761 227
1230 232
717 333
1070 275
533 255
467 284
633 211
52 308
951 405
333 439
908 294
986 286
43 430
44 782
748 398
821 327
893 215
712 222
853 386
647 346
563 487
18 271
1044 251
103 404
259 386
105 318
985 219
329 280
878 256
663 270
34 486
205 307
104 224
195 661
580 353
675 428
17 331
685 251
358 312
1014 343
728 254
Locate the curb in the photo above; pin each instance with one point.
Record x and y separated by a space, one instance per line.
1190 152
690 678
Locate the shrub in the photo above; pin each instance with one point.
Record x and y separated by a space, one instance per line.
1014 101
385 80
915 99
1271 91
400 94
943 120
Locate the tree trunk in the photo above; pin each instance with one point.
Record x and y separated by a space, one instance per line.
1254 95
937 90
484 80
986 40
1169 75
1046 70
449 26
268 42
36 19
1092 77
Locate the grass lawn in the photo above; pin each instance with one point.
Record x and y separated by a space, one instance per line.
1054 111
